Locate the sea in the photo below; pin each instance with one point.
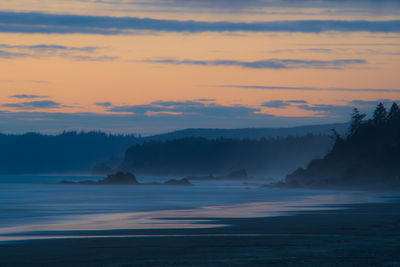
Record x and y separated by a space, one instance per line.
31 204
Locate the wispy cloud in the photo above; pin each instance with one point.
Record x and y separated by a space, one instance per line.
306 88
372 103
329 110
205 99
51 47
295 7
275 104
92 58
344 111
43 104
267 63
84 53
28 96
187 108
346 45
306 50
240 4
7 54
103 104
296 101
282 103
339 50
67 24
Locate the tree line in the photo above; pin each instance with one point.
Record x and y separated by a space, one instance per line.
68 152
200 156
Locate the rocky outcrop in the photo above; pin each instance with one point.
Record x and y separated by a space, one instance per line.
183 181
128 178
235 175
120 178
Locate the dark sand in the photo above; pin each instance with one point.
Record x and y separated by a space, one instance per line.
363 235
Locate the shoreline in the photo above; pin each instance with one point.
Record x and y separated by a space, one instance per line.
202 217
360 234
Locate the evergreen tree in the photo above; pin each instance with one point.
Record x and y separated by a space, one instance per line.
380 114
356 120
394 113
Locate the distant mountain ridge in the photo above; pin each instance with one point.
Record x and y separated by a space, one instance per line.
250 133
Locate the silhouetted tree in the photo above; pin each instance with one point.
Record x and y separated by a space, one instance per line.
337 137
356 120
394 113
380 114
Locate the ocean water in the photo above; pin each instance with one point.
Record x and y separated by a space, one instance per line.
38 203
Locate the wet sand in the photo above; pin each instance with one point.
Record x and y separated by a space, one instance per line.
361 235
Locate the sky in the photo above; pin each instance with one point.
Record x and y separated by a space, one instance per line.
152 66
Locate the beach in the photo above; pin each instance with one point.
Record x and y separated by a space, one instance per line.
356 235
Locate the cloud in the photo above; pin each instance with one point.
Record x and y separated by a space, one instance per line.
267 63
329 110
177 115
297 101
103 104
43 104
306 88
282 103
306 50
350 49
344 111
280 7
90 58
187 108
205 99
27 96
372 103
6 54
51 47
136 109
155 117
352 44
275 104
276 3
30 22
48 50
24 121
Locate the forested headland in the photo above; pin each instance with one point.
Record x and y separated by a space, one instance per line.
368 157
199 156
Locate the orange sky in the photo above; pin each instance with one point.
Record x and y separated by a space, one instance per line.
78 70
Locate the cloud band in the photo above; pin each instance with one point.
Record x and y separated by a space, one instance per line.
17 22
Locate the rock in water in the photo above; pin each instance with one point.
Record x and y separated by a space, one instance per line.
183 181
120 178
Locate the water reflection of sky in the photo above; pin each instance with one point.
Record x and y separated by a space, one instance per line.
31 207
